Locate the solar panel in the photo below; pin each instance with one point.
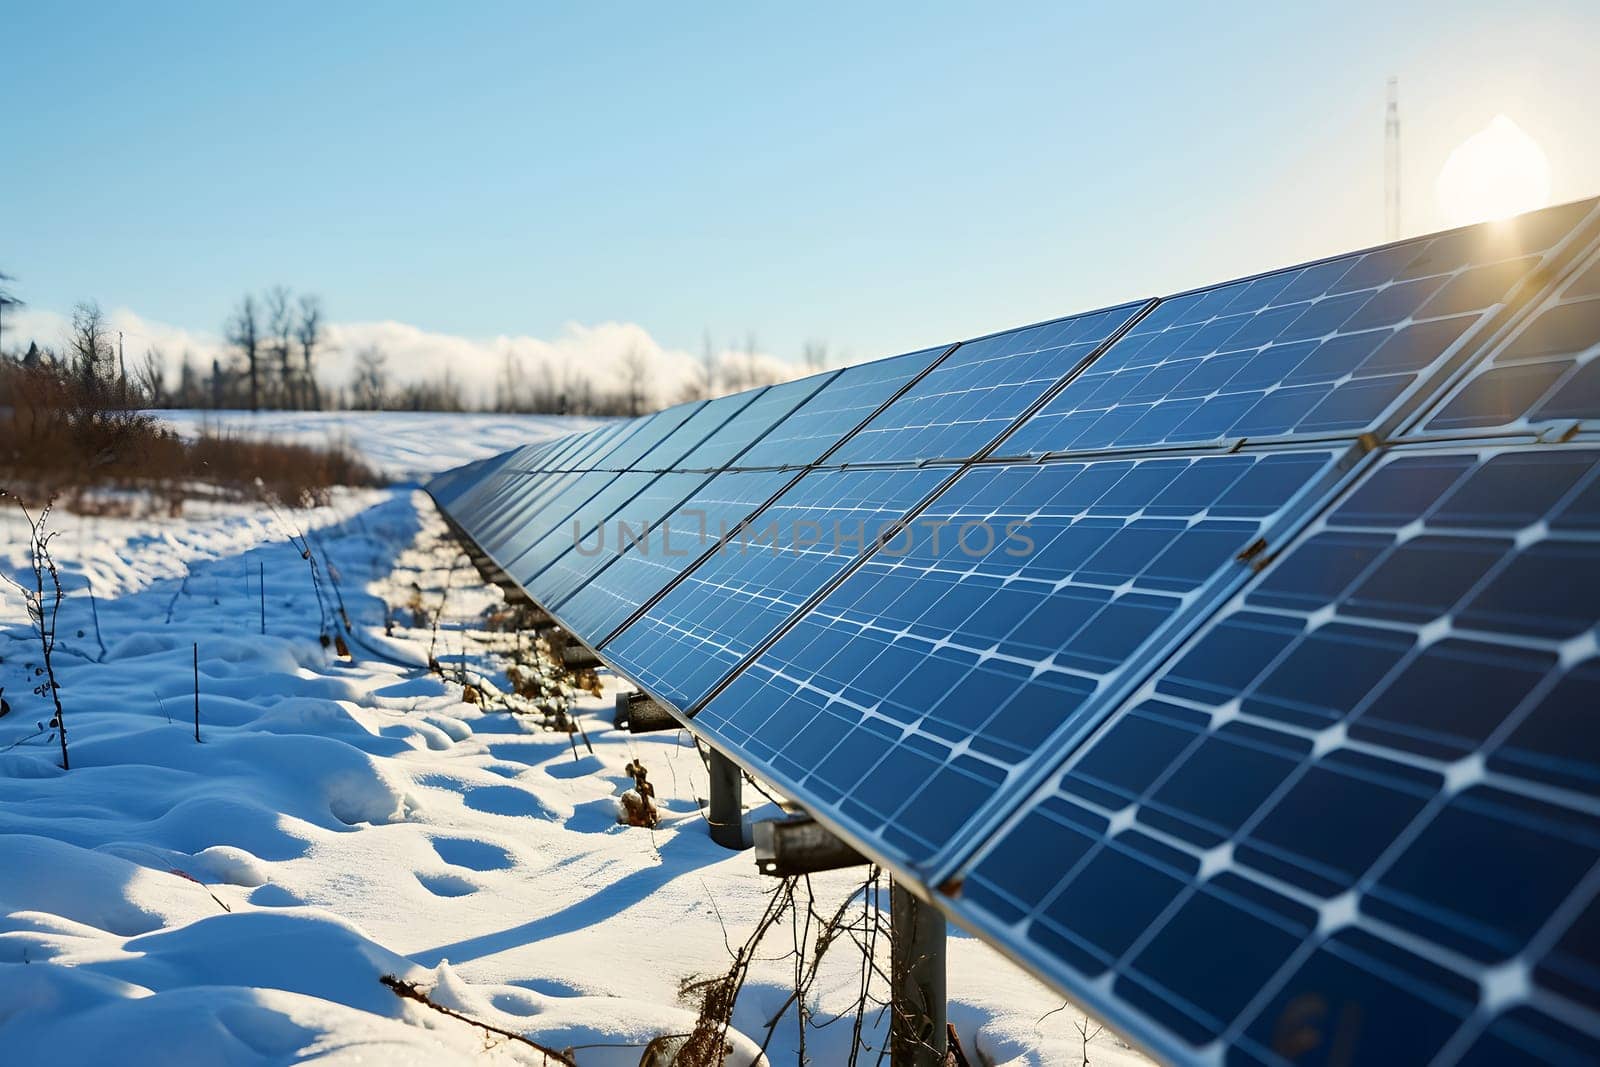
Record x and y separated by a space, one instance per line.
747 415
1369 790
524 553
633 572
1336 348
701 629
979 389
528 552
841 406
977 640
771 406
524 494
651 431
588 553
1193 649
1548 370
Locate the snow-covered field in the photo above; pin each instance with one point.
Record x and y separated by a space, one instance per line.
405 445
237 900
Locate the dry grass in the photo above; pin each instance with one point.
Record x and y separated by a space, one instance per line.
61 437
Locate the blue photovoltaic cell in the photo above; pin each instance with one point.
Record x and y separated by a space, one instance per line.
633 572
768 409
842 405
981 634
652 431
979 389
526 501
1369 790
570 569
1329 349
586 554
700 630
527 554
530 548
1547 371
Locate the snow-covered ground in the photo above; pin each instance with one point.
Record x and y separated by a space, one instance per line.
238 899
405 445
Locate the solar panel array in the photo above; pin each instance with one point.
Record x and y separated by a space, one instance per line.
1228 659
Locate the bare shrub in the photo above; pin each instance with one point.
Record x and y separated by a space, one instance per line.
42 595
61 434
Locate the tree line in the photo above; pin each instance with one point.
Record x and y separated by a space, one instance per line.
276 342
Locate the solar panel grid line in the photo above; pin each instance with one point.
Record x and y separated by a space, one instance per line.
1295 515
1567 493
799 473
982 383
536 553
1347 345
636 566
744 426
873 371
892 517
1539 378
1133 313
1330 467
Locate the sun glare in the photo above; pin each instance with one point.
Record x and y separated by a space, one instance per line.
1498 171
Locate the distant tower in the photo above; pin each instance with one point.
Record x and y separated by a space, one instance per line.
1391 162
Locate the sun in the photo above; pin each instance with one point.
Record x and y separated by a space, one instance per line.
1497 172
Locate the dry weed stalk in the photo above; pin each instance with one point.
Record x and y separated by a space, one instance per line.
43 600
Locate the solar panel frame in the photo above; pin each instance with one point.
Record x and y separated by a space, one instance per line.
1339 466
1363 501
723 504
1464 362
820 491
1340 278
1533 367
1083 335
1124 315
785 451
573 563
785 397
544 549
932 361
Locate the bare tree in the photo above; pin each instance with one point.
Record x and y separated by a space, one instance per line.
370 383
635 379
508 388
814 355
8 299
151 376
280 333
90 344
190 394
309 333
708 367
244 331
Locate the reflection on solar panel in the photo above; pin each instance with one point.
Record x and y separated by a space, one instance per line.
632 572
1373 779
1328 349
978 390
1228 659
1548 371
709 622
842 405
978 636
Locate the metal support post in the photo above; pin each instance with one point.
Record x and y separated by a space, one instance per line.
917 1030
727 805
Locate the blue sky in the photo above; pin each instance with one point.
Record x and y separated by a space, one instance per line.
877 176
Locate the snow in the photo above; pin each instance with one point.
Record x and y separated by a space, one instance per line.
405 445
237 900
